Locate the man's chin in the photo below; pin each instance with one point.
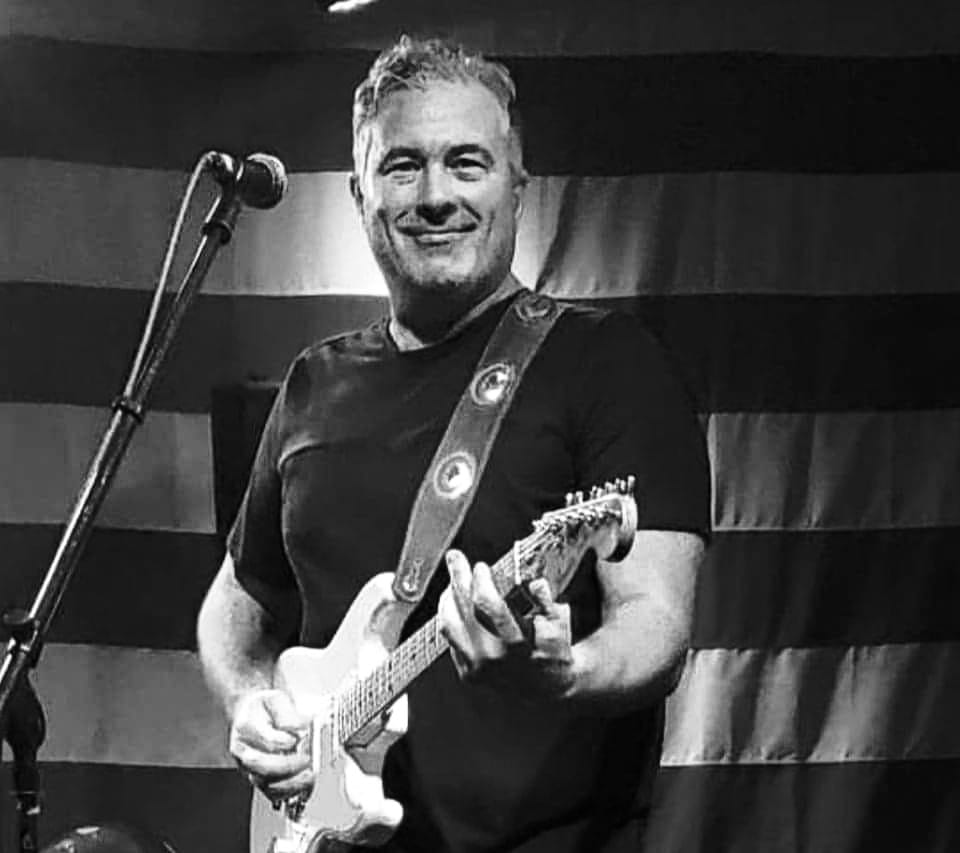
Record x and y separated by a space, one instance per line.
443 279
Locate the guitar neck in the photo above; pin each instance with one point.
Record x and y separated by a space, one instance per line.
371 695
605 523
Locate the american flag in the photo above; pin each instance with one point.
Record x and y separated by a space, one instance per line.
773 188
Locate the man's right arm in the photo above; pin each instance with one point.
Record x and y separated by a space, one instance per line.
238 646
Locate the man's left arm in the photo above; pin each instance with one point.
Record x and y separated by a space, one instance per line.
634 656
632 659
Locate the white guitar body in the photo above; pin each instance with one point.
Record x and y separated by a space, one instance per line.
353 690
347 803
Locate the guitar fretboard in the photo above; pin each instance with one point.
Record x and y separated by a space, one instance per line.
565 533
371 695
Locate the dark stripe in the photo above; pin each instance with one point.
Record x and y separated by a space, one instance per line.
68 344
879 806
191 809
789 588
882 807
557 27
74 345
756 589
749 353
588 116
131 587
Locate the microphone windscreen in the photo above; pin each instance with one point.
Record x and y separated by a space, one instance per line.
262 181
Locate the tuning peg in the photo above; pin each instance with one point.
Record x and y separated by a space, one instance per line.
568 499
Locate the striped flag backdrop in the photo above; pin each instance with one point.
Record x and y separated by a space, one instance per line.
772 187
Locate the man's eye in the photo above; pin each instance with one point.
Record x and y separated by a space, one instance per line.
469 167
400 167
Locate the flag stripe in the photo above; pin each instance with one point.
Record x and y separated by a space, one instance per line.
164 483
900 806
129 706
139 588
192 809
862 470
669 234
869 703
760 353
312 243
801 26
862 703
714 111
74 345
66 344
820 588
903 806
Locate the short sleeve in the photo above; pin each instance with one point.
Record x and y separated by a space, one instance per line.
255 541
637 419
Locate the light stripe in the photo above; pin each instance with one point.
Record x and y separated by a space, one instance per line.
869 703
119 220
734 233
745 232
857 470
165 482
129 706
801 26
824 471
140 706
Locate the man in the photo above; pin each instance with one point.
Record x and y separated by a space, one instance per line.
540 743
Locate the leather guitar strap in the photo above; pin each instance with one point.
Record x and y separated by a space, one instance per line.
454 473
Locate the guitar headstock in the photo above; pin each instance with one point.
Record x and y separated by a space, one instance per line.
603 520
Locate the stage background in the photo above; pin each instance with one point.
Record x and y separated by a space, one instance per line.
773 188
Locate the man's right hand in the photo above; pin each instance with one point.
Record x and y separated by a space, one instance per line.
269 740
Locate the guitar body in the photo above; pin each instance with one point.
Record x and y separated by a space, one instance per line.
353 690
347 803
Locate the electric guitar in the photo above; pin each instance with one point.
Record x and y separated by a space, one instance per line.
353 689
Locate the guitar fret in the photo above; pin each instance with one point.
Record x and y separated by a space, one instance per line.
372 694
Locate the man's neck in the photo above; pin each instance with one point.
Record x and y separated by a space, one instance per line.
407 339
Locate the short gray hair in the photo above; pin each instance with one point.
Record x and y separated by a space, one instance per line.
414 63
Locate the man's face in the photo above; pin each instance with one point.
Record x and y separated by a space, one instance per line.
436 193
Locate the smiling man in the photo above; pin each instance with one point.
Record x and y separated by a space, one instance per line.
438 183
536 738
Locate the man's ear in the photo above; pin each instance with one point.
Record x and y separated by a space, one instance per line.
518 193
356 192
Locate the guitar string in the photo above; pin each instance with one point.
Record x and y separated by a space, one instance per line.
364 698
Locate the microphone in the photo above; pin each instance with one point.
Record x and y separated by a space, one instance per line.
260 180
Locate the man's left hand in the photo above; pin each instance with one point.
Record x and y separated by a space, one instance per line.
487 644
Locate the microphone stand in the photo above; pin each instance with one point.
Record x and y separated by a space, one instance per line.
22 722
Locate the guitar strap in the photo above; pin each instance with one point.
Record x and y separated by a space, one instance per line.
454 473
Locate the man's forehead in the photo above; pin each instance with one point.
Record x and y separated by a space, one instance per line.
440 112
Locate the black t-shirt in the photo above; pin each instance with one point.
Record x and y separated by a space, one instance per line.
346 446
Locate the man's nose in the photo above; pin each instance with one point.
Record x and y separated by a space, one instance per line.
436 201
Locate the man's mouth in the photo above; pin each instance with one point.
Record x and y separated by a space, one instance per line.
437 236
